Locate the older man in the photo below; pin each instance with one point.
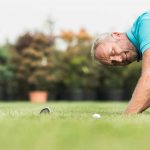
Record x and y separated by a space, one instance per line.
118 49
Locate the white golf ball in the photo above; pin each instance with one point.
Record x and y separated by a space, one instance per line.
97 116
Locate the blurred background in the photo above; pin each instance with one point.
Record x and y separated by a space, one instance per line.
45 49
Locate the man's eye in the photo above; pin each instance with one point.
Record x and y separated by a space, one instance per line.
112 52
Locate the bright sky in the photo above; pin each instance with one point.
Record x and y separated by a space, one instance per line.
18 16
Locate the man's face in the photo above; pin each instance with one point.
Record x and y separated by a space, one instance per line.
111 53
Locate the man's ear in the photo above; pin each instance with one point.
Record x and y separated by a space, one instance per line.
117 35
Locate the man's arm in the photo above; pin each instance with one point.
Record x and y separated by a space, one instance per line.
140 100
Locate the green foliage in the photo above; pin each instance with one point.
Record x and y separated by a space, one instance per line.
79 68
112 77
131 75
35 61
40 66
6 66
124 77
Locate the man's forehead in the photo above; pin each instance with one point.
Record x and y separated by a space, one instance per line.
102 53
103 50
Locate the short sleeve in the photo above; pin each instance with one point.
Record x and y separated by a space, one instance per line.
144 35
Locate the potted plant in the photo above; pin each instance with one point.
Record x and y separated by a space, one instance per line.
36 65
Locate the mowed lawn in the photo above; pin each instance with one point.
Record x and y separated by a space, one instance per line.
70 126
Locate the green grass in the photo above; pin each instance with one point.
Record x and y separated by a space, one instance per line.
70 126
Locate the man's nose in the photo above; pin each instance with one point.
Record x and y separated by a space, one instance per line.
116 58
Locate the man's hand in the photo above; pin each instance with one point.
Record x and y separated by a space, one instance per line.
140 100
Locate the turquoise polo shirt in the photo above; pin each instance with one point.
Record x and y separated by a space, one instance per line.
139 34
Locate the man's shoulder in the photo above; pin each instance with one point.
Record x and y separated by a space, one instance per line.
145 15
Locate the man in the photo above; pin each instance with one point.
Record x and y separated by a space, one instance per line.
118 49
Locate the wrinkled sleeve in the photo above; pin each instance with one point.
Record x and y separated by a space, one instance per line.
144 35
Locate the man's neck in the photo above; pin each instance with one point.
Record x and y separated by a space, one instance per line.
131 47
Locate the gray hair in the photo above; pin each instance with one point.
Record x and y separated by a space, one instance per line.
99 39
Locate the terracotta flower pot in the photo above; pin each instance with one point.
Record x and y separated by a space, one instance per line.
38 96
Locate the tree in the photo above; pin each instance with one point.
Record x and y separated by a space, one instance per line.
7 72
35 61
